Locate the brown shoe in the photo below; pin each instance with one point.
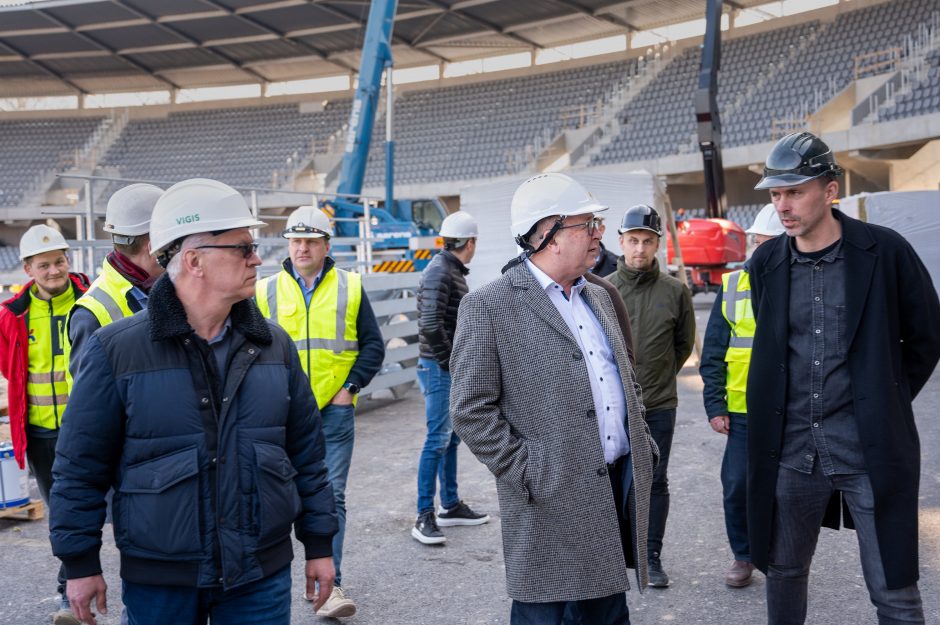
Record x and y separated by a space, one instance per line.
739 575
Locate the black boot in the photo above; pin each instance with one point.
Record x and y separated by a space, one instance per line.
658 577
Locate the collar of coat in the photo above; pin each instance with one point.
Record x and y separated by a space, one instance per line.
288 266
19 303
636 276
448 256
854 234
168 317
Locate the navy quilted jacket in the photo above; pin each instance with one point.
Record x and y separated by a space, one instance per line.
209 471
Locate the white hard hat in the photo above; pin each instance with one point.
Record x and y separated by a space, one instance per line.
546 195
308 222
459 225
129 209
767 223
39 239
195 206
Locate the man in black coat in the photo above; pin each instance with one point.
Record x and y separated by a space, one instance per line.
846 338
442 287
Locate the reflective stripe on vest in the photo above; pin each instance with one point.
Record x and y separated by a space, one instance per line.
106 298
737 310
48 353
325 335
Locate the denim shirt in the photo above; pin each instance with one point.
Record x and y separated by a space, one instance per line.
820 421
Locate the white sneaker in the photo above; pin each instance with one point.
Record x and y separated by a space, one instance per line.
338 605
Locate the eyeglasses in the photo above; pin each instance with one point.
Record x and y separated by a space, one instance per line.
592 225
247 249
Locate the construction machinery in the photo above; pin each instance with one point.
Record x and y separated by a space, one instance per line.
404 231
710 248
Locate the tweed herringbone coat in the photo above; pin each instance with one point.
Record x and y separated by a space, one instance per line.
521 401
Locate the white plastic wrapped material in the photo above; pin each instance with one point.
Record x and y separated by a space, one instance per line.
913 214
489 204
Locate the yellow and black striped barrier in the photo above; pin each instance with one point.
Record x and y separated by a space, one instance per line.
394 266
423 254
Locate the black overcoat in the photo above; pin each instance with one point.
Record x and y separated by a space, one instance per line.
893 338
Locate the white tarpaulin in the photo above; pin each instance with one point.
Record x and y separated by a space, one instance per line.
489 204
913 214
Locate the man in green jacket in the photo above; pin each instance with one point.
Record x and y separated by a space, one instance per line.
660 310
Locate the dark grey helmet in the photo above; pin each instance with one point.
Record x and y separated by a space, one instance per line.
641 217
796 158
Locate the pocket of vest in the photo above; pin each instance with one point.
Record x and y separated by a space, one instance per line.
159 505
276 494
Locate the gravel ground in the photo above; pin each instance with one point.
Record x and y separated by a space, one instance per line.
397 581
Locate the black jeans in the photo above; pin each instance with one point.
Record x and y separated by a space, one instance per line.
40 454
662 424
799 506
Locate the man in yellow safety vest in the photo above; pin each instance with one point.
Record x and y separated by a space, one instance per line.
123 286
325 310
34 355
726 356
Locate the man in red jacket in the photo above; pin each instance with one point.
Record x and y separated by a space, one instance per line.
34 358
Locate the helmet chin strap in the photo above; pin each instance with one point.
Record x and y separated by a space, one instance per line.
528 250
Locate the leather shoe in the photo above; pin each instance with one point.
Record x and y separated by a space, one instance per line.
739 575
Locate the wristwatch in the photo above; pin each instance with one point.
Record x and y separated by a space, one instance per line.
352 387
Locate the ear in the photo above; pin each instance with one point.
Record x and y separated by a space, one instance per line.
192 262
28 268
832 191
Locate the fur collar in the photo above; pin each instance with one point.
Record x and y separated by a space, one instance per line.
168 317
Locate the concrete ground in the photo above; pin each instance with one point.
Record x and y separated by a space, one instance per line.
397 581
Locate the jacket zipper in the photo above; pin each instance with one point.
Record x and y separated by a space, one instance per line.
52 329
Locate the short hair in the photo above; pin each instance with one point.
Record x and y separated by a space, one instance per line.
534 236
175 266
455 244
132 249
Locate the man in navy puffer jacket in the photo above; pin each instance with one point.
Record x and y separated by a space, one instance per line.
198 414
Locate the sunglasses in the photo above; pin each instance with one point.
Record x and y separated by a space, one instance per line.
247 249
592 225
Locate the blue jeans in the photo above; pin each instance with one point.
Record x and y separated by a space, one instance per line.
339 432
439 455
611 610
799 506
662 424
734 487
265 602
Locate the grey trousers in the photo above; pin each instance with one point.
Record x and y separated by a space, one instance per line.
800 504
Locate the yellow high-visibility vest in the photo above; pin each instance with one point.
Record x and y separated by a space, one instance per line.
737 310
106 298
46 387
325 333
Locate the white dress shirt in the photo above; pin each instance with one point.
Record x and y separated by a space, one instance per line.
603 372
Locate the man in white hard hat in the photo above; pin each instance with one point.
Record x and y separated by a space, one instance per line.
660 310
122 287
198 414
443 285
327 314
545 396
34 353
726 355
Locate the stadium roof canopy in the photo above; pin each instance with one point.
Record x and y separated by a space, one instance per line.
59 47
